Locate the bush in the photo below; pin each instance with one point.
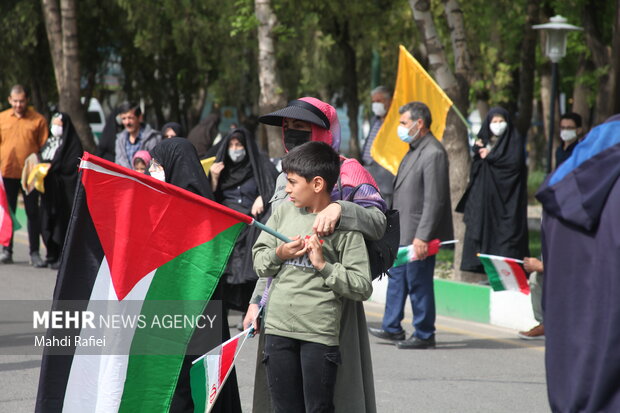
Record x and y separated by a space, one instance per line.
534 180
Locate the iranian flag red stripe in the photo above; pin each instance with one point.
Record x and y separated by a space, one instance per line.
6 224
210 372
504 273
134 239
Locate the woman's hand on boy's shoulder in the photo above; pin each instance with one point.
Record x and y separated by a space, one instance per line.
296 248
326 220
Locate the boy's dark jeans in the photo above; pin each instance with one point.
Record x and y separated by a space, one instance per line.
301 375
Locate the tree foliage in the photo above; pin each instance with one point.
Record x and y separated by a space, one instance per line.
175 54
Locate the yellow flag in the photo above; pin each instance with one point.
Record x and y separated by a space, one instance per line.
206 164
412 83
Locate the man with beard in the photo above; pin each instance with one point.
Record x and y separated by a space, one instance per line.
137 135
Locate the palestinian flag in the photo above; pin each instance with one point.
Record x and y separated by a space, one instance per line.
210 372
6 223
505 273
135 240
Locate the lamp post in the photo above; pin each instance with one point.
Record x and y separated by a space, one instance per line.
555 49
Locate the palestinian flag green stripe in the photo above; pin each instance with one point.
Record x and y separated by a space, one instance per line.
156 375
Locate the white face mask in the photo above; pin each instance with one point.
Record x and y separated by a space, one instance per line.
498 128
568 134
236 155
159 175
56 130
378 108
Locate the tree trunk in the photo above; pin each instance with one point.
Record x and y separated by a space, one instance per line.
545 97
61 26
349 80
271 97
580 95
456 85
536 144
528 68
601 57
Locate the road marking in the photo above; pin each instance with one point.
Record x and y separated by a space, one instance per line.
460 331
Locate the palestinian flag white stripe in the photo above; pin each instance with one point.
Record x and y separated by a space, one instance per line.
96 381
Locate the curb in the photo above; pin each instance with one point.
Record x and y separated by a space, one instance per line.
474 302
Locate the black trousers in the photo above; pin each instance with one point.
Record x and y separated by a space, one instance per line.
301 375
31 203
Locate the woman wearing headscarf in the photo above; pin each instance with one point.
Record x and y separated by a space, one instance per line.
175 161
62 150
242 179
495 201
310 119
172 129
178 160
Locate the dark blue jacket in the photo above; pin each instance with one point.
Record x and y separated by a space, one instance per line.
581 252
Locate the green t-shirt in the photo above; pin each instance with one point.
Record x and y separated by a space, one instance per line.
304 303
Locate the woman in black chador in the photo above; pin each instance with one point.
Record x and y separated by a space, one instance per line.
181 167
242 179
495 202
62 150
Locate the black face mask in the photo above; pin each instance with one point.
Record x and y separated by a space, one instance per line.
295 137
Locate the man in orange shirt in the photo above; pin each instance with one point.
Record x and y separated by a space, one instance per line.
22 131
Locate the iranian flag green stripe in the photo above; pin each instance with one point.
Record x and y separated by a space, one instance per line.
504 273
198 378
200 269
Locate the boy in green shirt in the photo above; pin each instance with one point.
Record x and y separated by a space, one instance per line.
311 277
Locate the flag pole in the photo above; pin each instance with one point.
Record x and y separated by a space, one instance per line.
271 231
460 115
499 257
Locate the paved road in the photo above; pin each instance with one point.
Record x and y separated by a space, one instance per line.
475 368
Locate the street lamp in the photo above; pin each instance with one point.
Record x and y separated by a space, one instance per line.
555 48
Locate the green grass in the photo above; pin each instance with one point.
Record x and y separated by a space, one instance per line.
535 244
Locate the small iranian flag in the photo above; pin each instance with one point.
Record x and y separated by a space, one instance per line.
209 372
505 273
6 224
407 254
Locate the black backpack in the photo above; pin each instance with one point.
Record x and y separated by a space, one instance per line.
381 252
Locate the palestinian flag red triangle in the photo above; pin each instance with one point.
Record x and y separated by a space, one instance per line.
139 219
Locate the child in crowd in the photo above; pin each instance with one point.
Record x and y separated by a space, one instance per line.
141 162
311 277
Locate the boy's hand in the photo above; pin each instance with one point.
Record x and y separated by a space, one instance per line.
293 249
326 220
315 252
